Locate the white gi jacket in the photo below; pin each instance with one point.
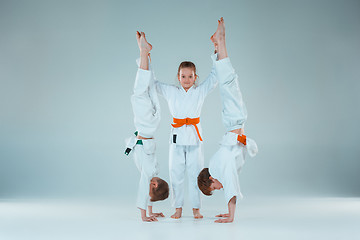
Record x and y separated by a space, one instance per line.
188 104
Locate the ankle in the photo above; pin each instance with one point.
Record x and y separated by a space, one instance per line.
144 52
221 43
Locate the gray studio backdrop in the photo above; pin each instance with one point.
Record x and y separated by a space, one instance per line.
67 70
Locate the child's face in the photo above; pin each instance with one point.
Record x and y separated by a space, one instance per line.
186 77
215 185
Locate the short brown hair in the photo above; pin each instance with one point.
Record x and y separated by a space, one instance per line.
161 192
204 181
187 64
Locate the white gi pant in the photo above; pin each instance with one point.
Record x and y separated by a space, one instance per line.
227 162
145 103
183 158
146 110
234 113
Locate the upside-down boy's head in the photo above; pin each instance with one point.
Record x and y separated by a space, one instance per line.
159 189
206 183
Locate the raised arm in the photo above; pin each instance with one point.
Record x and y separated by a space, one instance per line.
211 81
164 89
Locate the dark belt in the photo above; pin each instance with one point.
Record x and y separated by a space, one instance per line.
139 142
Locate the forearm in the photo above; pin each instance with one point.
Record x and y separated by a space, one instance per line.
150 210
229 217
152 214
232 207
143 213
141 137
145 218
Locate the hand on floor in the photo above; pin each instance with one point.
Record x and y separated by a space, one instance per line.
149 219
224 220
226 215
157 214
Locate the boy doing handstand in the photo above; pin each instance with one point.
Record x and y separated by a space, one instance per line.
146 110
225 165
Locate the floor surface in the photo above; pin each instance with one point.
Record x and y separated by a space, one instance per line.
292 218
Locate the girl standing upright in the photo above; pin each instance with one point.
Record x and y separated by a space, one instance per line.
185 151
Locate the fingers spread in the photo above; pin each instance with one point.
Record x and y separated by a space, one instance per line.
221 220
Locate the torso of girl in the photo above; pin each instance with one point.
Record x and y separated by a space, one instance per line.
187 104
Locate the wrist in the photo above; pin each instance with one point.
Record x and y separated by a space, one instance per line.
143 213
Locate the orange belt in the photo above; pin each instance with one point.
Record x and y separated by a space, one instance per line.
242 139
178 122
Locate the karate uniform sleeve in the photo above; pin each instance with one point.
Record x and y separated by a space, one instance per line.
164 89
231 181
251 147
143 191
234 113
211 81
147 165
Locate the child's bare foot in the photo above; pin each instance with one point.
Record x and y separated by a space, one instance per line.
219 35
177 213
138 35
196 213
144 46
